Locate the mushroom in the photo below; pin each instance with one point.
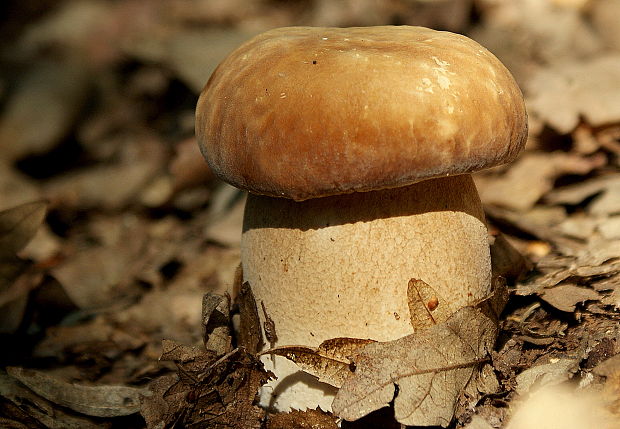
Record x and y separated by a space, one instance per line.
356 145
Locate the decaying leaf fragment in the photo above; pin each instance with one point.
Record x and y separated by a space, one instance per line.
424 303
431 368
98 401
212 390
250 335
22 408
329 362
18 226
215 322
308 419
565 297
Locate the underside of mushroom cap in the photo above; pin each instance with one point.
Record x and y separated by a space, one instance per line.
306 112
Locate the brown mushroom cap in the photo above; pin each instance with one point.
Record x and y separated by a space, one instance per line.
306 112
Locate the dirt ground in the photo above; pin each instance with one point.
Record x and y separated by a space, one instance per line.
113 229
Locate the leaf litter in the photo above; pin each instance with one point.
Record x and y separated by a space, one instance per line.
116 149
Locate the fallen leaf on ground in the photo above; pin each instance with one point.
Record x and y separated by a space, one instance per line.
506 261
51 95
15 187
565 297
216 323
110 185
329 361
99 276
188 168
60 340
250 335
555 372
431 368
212 391
32 411
308 419
531 177
192 54
18 226
98 401
563 93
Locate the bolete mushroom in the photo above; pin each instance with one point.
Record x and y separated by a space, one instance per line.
356 146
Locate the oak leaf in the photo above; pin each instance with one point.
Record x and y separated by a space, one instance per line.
329 361
430 367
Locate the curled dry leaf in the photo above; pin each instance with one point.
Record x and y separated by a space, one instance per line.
32 411
250 335
212 390
215 322
424 303
430 367
18 226
98 401
329 362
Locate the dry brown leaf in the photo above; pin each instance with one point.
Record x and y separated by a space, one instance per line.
99 276
565 92
423 303
506 261
431 368
608 203
308 419
50 94
159 407
549 374
539 222
216 323
36 412
329 361
565 297
575 194
98 401
14 292
18 226
599 252
15 187
192 54
531 177
250 335
188 167
111 185
60 340
212 391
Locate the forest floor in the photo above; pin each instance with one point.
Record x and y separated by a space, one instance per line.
113 229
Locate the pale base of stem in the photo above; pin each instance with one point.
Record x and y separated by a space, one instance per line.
339 267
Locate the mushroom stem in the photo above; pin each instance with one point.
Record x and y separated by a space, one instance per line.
339 267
